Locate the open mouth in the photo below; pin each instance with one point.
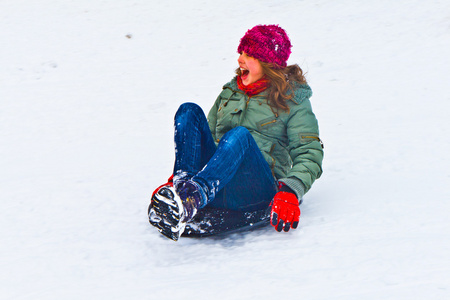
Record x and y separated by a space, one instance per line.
244 73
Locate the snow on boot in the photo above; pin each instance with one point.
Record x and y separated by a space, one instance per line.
165 212
172 207
165 209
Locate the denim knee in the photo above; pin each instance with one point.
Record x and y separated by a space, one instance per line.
239 132
188 107
239 135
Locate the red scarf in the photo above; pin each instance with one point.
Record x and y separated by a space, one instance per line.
255 87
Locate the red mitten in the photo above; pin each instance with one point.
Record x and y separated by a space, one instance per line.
169 182
285 211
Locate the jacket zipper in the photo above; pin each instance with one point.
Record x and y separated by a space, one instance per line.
273 121
312 137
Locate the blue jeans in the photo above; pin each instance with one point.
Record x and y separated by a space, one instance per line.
235 171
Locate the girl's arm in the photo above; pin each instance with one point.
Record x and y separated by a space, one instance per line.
305 148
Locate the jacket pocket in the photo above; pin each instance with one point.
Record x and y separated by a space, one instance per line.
271 127
267 124
310 137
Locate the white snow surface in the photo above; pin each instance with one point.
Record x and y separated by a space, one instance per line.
88 90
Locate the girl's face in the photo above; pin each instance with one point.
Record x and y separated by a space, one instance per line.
251 69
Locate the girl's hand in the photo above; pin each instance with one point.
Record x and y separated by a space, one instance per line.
285 211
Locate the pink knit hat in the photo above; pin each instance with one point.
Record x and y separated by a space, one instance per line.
268 43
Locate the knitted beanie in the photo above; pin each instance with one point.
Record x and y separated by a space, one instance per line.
268 43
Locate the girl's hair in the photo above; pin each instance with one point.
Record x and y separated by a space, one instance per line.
281 82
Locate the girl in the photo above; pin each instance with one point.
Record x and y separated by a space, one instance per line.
258 151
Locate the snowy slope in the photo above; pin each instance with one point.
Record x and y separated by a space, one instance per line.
86 135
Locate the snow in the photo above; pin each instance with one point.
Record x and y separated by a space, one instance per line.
88 90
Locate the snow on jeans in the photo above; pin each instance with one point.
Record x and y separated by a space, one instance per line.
235 171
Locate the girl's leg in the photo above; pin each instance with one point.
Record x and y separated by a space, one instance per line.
194 144
238 174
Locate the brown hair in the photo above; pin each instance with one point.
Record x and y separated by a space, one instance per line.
281 82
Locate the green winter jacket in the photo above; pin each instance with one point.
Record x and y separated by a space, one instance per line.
289 142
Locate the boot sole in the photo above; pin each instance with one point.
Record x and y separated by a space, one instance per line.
165 213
